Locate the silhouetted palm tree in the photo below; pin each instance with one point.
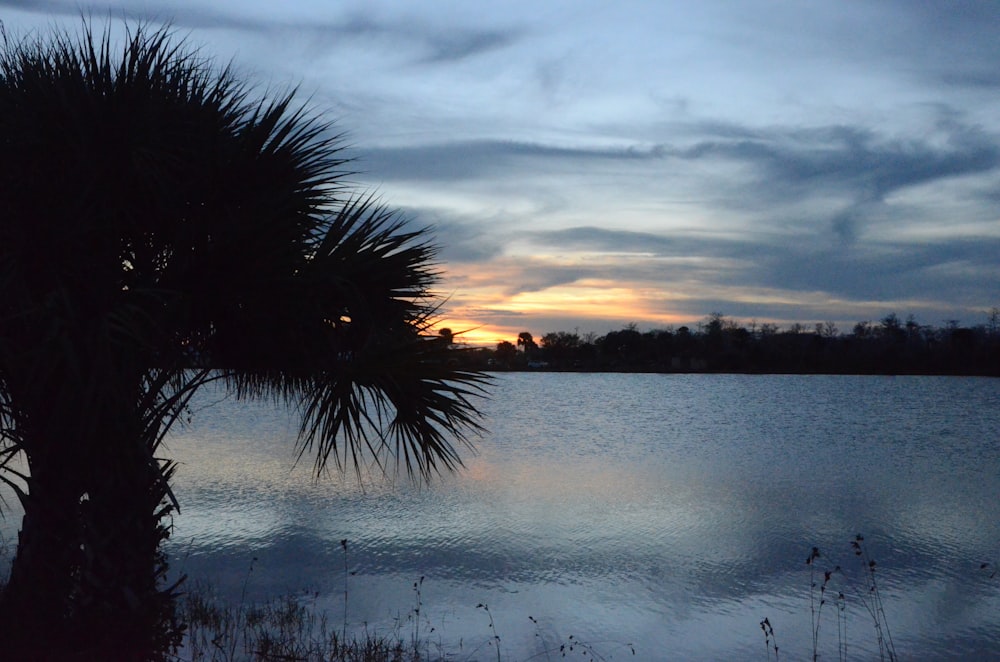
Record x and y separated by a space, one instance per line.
525 340
162 229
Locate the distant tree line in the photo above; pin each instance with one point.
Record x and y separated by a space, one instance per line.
720 344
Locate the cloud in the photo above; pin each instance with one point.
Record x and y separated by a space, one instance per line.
551 152
657 249
454 45
763 279
958 44
959 270
431 42
539 276
853 159
460 241
434 43
780 165
769 274
845 222
607 241
471 159
189 16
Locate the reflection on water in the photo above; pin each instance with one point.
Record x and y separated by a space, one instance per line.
670 512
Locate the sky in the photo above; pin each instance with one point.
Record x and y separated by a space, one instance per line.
590 165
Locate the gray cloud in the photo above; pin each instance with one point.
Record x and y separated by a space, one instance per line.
650 245
537 277
461 241
483 158
784 164
854 159
959 271
958 44
845 223
187 16
608 241
453 45
984 77
436 44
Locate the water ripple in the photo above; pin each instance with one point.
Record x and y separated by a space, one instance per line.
671 511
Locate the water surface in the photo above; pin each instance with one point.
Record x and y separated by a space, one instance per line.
669 512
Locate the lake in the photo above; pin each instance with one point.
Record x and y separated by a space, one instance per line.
665 513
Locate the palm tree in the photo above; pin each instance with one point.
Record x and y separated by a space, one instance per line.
164 229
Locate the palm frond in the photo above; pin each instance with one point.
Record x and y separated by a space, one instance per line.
375 382
178 218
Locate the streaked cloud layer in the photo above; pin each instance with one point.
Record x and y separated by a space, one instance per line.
588 165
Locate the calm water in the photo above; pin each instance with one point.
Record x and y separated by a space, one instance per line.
668 512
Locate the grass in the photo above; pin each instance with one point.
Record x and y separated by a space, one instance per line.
283 630
280 630
290 629
822 593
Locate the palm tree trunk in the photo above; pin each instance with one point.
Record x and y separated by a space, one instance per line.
121 589
34 605
86 581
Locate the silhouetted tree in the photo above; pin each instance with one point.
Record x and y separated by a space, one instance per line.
527 341
891 329
723 345
622 348
714 324
560 347
162 230
768 329
506 354
862 329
